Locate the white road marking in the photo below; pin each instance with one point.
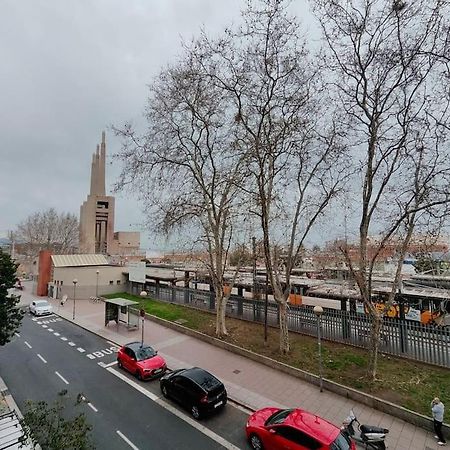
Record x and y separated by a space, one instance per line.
90 356
41 358
113 343
81 350
64 338
62 378
164 404
92 407
56 334
109 365
17 334
127 440
34 319
72 344
28 345
44 326
51 330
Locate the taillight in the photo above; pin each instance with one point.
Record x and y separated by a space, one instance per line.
204 399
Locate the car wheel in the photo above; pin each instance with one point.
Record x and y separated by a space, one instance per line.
256 442
195 412
119 364
164 391
139 375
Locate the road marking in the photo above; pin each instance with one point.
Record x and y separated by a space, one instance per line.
28 345
127 440
92 407
56 334
62 378
72 344
64 338
41 358
17 334
113 343
44 326
81 350
182 416
50 329
108 365
90 356
34 319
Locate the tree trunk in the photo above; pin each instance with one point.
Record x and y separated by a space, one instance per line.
284 332
221 329
375 333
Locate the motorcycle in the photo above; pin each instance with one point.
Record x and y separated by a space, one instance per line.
370 436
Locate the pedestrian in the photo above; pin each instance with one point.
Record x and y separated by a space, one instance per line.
437 410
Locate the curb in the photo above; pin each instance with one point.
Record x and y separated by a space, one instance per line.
379 404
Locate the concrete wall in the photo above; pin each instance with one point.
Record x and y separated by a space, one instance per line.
110 279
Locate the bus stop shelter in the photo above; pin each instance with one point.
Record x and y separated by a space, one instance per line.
122 310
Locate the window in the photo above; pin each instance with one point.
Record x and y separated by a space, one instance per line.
342 442
118 281
111 282
278 417
298 437
61 283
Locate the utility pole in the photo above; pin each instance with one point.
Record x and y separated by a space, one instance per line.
254 267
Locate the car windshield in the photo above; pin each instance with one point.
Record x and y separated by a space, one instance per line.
144 353
278 417
342 442
42 303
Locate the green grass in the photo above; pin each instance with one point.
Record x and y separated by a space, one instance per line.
406 383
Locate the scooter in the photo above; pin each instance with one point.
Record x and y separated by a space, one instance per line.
371 437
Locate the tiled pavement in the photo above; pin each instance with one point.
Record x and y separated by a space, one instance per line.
248 382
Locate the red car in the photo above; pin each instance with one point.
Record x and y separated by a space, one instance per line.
296 429
141 360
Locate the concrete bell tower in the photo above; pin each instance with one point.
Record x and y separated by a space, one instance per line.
97 212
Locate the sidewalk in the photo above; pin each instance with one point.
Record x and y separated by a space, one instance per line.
250 383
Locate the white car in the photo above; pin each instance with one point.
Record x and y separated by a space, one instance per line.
40 307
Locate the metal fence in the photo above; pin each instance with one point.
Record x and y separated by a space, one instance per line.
405 338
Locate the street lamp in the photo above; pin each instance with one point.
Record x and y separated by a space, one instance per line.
143 295
318 311
75 281
96 286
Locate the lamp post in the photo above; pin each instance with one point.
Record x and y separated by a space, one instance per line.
143 295
96 285
318 311
75 281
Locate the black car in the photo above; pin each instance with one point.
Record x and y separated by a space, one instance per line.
196 390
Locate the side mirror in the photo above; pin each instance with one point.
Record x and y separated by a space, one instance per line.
156 352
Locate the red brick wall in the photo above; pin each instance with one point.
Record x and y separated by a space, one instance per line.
45 266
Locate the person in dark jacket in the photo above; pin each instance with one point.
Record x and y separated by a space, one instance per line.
437 410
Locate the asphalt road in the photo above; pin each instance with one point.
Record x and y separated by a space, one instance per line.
50 354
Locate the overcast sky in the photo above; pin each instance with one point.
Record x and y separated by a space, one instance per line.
70 69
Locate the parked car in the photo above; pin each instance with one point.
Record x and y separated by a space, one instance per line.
296 429
40 307
195 389
141 360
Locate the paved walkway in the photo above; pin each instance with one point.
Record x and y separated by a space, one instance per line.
248 382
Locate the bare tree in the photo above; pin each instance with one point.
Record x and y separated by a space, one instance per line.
49 230
187 167
387 62
292 142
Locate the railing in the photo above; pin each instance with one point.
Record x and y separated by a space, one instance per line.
405 338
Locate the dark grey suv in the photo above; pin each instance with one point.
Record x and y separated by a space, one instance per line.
195 389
